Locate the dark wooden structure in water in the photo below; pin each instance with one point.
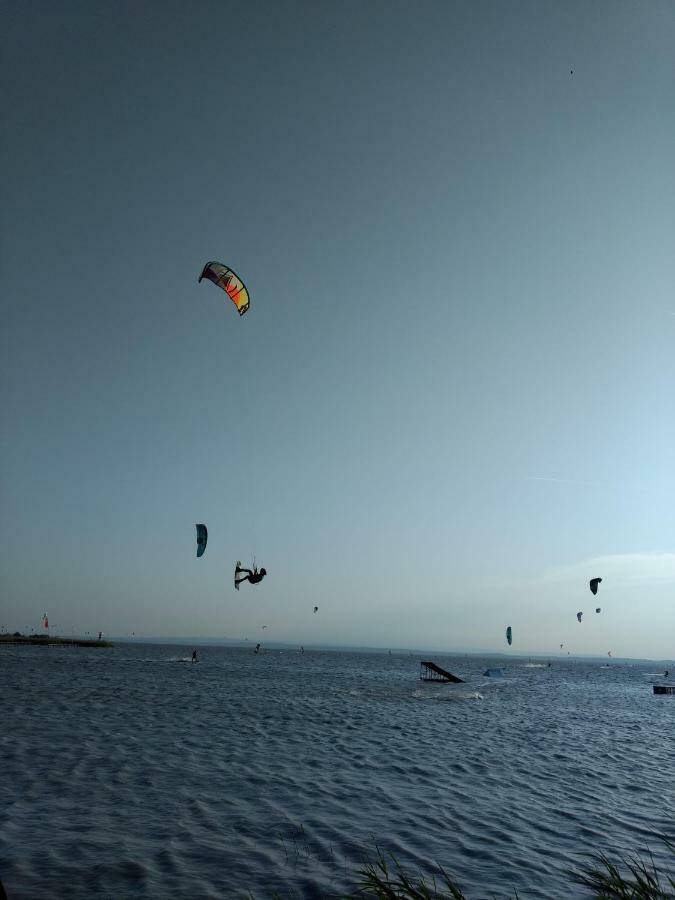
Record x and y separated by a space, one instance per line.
664 688
429 671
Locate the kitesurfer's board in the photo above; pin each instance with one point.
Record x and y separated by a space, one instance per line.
236 586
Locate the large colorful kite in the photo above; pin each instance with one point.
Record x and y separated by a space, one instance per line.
230 282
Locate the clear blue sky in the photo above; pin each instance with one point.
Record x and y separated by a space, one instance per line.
452 401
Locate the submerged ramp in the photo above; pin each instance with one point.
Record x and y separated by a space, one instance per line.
429 671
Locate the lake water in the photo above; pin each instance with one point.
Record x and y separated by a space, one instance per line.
129 772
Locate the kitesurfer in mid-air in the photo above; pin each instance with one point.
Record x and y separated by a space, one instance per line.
253 577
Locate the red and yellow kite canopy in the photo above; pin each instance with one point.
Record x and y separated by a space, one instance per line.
230 282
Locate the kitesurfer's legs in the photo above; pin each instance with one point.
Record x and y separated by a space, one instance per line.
244 578
239 569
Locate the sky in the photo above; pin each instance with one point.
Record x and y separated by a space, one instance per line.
452 401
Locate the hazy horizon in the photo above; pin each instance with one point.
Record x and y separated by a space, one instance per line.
273 646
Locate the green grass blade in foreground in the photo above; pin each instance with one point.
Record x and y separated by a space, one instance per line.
632 878
378 880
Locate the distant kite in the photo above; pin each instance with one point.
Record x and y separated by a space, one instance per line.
609 653
593 584
231 283
202 538
316 609
561 646
508 635
579 615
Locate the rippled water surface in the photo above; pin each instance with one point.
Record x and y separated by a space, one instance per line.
129 772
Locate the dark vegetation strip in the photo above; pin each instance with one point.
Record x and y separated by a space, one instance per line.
43 640
629 877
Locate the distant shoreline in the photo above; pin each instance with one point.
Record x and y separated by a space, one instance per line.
42 640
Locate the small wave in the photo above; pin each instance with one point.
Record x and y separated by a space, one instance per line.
464 695
447 696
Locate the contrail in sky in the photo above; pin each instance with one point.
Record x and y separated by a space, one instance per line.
546 478
561 480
